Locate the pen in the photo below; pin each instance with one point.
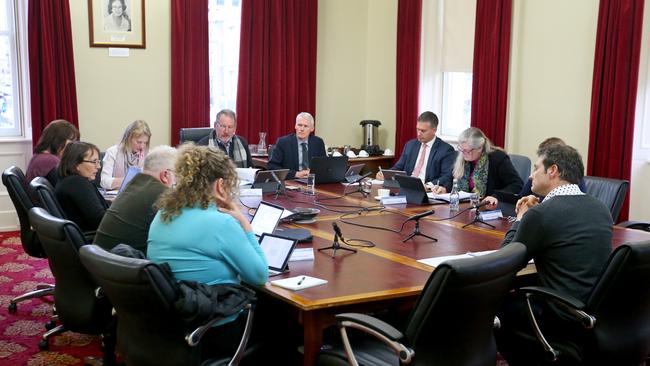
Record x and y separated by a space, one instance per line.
301 280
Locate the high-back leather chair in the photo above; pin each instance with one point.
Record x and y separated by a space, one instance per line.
451 324
609 191
616 316
149 329
193 134
522 166
14 179
42 188
78 308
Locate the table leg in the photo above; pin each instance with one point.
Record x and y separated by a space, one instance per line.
313 325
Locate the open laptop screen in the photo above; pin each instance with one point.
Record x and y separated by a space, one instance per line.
132 172
266 218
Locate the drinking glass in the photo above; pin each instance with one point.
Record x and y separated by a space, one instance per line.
474 199
311 184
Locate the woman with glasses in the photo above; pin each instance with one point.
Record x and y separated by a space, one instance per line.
47 153
200 232
79 198
483 168
130 152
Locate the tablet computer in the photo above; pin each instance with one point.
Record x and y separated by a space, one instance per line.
389 178
277 250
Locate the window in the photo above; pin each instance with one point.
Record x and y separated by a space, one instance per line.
224 26
447 49
13 68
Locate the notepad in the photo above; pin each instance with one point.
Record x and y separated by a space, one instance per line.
445 196
298 282
302 254
436 261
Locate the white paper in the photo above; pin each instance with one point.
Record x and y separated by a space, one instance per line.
250 192
445 196
302 254
377 181
247 174
285 213
298 282
436 261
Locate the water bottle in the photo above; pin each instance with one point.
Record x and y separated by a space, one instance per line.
454 198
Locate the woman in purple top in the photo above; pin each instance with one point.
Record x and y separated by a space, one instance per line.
47 153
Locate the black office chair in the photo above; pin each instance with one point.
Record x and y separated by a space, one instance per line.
609 191
42 189
451 324
78 308
522 166
150 331
193 134
14 179
615 318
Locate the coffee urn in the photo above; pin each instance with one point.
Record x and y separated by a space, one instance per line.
370 128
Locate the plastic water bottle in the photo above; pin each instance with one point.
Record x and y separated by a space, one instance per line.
454 198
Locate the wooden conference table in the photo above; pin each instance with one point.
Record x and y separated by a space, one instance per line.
385 276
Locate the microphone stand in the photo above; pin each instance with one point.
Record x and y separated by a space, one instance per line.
359 186
336 246
279 188
478 219
416 232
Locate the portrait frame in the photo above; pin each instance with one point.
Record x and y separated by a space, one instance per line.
105 32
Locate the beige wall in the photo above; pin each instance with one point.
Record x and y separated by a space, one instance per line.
551 70
356 69
114 91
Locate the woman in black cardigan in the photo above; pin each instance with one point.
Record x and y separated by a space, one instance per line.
483 168
79 198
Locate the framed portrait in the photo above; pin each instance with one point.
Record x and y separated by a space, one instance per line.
117 23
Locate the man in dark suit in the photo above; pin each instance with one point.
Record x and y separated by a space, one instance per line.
294 151
427 157
223 136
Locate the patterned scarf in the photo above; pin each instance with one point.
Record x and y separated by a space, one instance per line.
123 161
239 156
478 176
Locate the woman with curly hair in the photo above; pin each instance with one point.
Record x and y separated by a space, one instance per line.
130 152
201 233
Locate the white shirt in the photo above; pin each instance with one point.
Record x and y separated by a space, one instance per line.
423 171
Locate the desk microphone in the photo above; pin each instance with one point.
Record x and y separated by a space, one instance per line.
361 178
484 203
421 215
337 230
278 188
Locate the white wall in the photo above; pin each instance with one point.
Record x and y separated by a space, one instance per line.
113 91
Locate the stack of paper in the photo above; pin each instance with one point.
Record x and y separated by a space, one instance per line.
445 196
298 282
246 174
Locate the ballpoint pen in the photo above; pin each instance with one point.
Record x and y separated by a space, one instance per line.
301 280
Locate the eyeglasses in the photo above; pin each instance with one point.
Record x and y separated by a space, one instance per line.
96 161
465 151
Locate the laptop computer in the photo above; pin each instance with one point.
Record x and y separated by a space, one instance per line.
267 180
132 172
266 219
277 250
389 178
413 189
328 169
354 173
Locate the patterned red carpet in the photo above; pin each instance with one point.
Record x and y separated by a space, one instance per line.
20 332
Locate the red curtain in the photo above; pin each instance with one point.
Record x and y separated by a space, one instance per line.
51 64
277 66
190 66
614 87
409 25
490 71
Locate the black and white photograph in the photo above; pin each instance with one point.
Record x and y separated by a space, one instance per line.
117 23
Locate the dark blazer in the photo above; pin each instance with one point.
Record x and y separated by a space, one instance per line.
502 175
439 166
285 154
80 201
205 141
